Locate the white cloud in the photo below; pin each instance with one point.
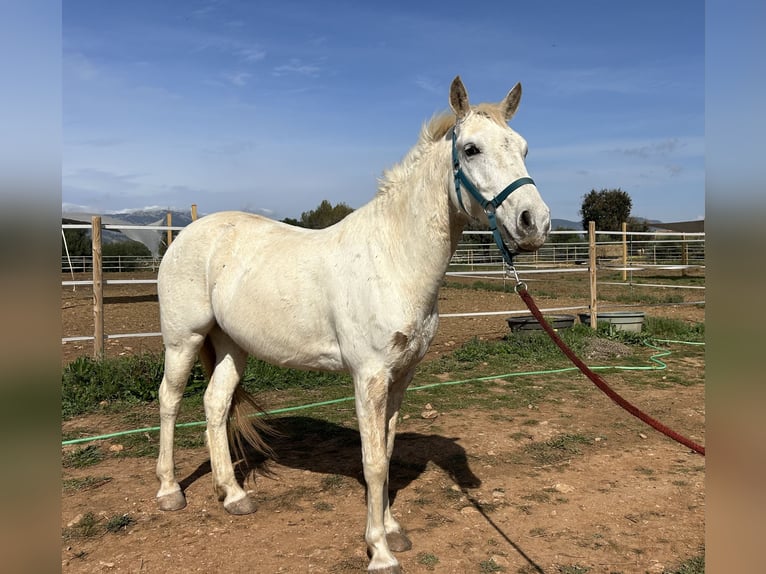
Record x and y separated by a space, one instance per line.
429 85
297 66
237 78
252 54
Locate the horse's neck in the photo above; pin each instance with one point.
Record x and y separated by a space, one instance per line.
416 223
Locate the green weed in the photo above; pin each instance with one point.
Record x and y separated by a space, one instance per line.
695 565
82 457
557 449
87 527
428 560
118 522
86 483
489 566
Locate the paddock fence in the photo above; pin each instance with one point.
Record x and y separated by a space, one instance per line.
636 260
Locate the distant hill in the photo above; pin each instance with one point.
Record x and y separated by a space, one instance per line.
149 237
565 224
577 225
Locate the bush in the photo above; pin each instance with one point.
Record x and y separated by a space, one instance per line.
86 382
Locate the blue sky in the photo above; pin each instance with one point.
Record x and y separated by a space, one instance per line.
272 107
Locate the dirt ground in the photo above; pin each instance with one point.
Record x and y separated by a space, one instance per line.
468 490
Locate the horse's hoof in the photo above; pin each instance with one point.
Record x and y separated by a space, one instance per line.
398 542
245 505
173 501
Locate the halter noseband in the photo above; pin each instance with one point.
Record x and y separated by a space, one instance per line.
489 206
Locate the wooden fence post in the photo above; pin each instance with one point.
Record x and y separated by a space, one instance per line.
194 212
592 273
170 232
98 289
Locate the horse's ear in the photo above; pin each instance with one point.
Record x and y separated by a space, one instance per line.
511 102
458 98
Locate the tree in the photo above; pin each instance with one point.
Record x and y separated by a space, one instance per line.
129 248
78 241
323 216
566 237
608 208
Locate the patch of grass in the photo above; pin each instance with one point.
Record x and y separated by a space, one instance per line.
86 383
488 566
82 457
505 287
87 527
557 449
537 497
126 384
142 445
428 560
644 297
675 329
86 483
695 565
118 522
323 506
354 564
332 482
573 569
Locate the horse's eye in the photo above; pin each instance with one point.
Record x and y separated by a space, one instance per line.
471 150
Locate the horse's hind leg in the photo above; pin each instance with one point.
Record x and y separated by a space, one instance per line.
230 362
179 360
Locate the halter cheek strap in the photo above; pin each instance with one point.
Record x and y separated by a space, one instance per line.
488 205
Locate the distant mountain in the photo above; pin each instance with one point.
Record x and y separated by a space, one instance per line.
154 217
149 237
565 224
577 225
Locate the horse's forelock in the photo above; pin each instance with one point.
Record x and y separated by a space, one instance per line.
439 126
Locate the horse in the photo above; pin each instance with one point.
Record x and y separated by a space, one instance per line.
359 296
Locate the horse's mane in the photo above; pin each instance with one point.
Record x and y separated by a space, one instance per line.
436 129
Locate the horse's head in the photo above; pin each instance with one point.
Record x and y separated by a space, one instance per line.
491 181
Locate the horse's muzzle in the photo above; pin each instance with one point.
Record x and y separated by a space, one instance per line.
531 230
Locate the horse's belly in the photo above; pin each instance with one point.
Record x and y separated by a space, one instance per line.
283 338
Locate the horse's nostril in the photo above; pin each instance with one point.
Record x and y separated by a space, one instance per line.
526 220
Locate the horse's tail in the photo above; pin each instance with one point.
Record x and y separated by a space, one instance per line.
246 425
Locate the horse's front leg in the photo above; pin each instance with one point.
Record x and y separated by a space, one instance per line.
395 535
371 409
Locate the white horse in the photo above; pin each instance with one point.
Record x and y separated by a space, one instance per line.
359 296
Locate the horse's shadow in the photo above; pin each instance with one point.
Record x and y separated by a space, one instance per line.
323 447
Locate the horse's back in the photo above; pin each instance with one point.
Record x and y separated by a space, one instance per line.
259 280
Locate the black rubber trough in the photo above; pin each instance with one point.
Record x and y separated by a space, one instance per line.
527 324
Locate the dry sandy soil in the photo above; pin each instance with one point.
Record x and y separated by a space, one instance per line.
472 494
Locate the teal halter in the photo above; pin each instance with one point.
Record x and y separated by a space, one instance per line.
489 206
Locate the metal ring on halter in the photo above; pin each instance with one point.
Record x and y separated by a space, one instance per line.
519 287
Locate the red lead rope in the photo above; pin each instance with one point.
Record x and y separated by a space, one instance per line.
600 382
